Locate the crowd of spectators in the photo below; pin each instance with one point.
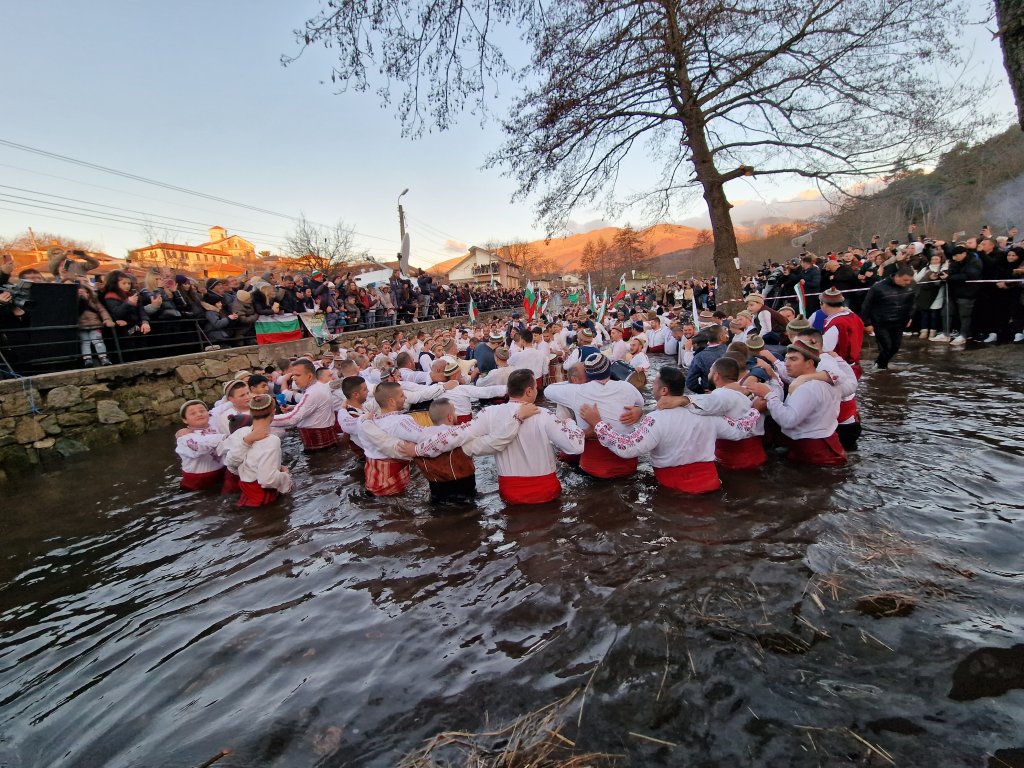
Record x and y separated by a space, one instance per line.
130 309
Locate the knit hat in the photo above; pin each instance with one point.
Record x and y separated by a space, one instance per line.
797 324
705 317
501 353
597 366
211 283
261 405
638 325
832 297
327 355
244 296
804 348
585 334
180 280
317 273
754 297
452 368
185 406
496 337
754 342
745 314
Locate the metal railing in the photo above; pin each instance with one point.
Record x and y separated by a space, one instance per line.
31 350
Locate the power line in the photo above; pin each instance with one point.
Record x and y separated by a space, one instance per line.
165 185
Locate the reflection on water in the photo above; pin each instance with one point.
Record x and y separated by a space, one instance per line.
146 627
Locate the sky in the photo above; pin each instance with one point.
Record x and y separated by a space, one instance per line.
192 94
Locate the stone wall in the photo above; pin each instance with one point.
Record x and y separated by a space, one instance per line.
44 419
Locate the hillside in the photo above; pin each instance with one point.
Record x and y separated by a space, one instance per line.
566 252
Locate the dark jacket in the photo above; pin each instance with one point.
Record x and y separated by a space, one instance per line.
888 304
698 375
960 272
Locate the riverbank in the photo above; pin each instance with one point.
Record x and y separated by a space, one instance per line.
48 418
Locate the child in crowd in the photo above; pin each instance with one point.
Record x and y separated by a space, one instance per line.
255 453
92 316
197 443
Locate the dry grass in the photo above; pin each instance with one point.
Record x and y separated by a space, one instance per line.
534 740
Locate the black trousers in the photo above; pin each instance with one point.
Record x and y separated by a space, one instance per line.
889 338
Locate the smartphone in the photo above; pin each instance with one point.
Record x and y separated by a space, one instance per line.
67 264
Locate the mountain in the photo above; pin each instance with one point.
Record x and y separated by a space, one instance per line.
567 251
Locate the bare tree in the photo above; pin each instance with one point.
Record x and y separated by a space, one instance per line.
716 90
314 247
1010 18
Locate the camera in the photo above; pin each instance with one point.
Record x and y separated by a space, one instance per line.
21 293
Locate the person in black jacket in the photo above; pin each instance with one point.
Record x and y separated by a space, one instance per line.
964 266
887 310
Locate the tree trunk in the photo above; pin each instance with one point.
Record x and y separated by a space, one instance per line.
1010 18
726 248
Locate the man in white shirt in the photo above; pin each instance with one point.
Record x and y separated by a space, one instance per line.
612 398
809 416
526 467
313 414
529 357
681 444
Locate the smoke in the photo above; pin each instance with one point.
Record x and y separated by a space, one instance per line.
1004 206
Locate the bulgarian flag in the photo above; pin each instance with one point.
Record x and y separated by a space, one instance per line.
574 296
529 300
622 290
271 329
603 308
695 313
801 298
473 312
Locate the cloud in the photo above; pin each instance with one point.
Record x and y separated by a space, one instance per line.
455 246
575 228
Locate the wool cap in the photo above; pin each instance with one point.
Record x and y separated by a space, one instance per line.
809 351
754 342
798 323
832 297
597 366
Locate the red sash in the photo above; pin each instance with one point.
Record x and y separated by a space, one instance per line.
701 477
529 490
255 495
318 438
848 410
201 481
819 451
747 453
231 483
658 350
386 477
464 419
598 461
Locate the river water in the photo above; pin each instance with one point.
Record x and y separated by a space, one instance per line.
799 617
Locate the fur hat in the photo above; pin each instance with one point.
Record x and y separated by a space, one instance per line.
806 349
832 297
797 324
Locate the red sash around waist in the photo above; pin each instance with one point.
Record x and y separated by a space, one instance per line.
529 490
540 383
848 410
255 495
201 481
318 438
464 419
598 461
701 477
658 350
747 453
231 483
569 458
386 477
820 451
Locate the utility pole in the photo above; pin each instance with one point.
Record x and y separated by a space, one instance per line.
401 217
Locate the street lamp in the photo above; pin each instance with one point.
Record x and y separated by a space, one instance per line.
401 216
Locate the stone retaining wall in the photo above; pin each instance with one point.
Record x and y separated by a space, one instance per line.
44 419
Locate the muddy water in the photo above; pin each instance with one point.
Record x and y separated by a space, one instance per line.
793 619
